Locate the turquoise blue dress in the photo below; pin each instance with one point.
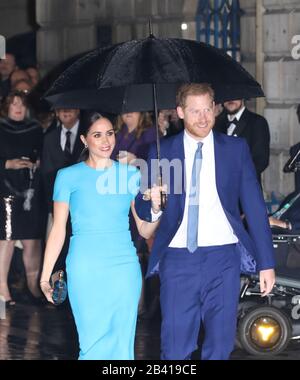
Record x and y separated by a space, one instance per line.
103 271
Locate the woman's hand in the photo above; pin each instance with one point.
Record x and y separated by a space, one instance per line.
18 163
47 290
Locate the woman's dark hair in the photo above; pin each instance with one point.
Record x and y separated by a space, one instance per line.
89 118
8 100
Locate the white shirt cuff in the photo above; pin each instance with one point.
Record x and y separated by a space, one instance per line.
155 217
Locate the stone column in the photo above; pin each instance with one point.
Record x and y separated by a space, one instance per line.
67 28
281 84
14 18
281 76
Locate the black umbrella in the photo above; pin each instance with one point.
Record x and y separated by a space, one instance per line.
117 100
154 61
141 75
36 96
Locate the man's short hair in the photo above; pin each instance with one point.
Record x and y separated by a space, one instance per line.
193 89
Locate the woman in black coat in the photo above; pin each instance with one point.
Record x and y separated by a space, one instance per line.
20 198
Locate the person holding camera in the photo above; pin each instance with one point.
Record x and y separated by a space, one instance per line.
293 164
20 192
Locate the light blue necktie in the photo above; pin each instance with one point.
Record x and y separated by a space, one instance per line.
193 209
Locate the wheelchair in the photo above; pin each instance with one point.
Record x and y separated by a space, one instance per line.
266 325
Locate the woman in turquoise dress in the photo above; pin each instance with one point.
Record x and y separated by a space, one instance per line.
103 272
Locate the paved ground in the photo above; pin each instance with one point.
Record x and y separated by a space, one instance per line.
47 332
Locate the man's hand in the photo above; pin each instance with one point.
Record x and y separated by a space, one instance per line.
267 281
276 222
155 196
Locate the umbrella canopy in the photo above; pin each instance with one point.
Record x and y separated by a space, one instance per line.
142 75
118 75
36 96
117 100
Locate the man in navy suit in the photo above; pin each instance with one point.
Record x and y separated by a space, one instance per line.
201 244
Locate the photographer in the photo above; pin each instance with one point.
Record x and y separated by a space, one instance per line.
287 217
293 153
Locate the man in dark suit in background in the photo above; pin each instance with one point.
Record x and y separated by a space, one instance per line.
237 120
62 148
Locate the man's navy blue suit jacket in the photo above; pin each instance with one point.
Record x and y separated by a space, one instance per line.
236 182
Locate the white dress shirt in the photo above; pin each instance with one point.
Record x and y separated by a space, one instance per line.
213 226
63 136
236 116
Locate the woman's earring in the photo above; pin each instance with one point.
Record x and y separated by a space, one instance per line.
86 146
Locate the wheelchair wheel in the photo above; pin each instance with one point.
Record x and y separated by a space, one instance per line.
264 331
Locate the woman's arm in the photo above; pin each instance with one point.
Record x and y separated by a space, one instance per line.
54 245
146 229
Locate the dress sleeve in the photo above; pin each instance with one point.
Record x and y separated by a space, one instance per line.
62 187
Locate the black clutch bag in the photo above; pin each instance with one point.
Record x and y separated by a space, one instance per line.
59 286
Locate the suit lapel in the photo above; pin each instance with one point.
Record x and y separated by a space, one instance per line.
57 142
78 146
177 151
242 123
221 160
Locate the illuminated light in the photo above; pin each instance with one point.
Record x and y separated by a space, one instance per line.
266 332
184 26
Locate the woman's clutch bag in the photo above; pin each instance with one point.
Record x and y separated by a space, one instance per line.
59 286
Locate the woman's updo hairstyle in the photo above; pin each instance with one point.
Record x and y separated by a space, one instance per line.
88 119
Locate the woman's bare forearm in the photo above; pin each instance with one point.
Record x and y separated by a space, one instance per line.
53 248
145 229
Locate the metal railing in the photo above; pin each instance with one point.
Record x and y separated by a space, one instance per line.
218 24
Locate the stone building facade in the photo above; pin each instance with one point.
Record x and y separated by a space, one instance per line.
69 27
280 22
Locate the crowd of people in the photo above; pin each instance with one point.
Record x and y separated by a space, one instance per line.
51 164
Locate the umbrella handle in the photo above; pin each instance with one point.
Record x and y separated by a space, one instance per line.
163 196
163 200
